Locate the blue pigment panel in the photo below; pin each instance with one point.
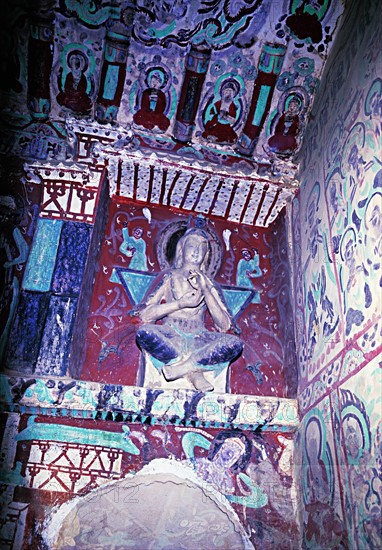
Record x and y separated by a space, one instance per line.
26 333
71 258
55 344
42 258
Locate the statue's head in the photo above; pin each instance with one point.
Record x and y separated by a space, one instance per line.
193 247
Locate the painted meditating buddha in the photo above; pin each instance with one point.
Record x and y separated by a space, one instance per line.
223 113
151 114
74 87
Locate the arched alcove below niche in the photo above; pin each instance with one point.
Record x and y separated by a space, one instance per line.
164 506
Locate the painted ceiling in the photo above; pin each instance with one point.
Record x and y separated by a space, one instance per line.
199 105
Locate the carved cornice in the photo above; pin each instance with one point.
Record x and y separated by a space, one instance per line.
193 185
181 407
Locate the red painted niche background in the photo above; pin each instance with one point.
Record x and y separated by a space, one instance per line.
112 355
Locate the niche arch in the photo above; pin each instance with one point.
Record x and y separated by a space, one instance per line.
165 505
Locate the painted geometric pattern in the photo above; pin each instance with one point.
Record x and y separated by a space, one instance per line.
144 177
12 523
137 284
71 467
69 193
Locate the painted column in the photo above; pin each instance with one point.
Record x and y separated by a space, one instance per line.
59 271
197 62
40 59
113 73
271 60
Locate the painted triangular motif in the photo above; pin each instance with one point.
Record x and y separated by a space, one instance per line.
136 283
236 299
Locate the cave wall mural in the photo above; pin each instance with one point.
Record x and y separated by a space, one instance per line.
336 223
78 460
133 252
227 81
136 121
78 409
90 265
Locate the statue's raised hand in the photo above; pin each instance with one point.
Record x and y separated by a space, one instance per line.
191 299
197 280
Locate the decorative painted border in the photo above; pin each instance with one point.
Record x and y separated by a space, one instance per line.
357 354
66 397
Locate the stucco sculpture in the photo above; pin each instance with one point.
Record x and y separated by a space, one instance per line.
180 300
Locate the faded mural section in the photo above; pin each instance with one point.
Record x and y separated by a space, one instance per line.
336 224
177 484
